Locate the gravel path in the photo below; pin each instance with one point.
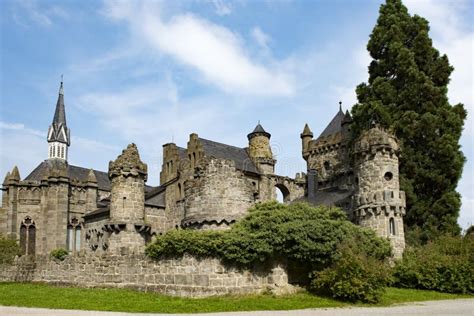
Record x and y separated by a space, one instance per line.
459 307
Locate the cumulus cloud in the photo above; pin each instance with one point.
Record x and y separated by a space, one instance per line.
217 54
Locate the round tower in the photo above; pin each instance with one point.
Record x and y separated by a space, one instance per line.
260 151
306 138
378 202
126 225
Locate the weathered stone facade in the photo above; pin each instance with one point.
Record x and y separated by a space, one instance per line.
101 217
187 276
359 176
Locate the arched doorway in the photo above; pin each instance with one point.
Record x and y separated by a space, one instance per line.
282 193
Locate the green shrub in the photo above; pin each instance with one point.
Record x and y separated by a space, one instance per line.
305 235
353 277
8 249
59 254
445 264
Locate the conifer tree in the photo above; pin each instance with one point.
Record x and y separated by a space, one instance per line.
407 92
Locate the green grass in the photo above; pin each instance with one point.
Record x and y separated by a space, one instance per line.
48 296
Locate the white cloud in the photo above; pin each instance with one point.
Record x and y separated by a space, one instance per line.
215 52
32 11
222 7
260 37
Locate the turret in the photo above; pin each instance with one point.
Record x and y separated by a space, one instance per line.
346 124
306 137
91 189
378 202
127 201
59 137
260 151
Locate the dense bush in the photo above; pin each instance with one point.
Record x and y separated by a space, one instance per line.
353 277
445 264
309 236
8 249
59 254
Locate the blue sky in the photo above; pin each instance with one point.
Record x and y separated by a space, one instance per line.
154 72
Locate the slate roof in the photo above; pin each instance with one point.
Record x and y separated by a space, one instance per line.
334 126
60 113
156 197
224 151
73 172
259 130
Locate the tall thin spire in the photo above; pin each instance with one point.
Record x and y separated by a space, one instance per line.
59 136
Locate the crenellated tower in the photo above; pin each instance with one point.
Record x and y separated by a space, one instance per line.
126 226
260 150
59 135
378 202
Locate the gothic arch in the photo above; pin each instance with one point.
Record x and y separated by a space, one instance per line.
28 236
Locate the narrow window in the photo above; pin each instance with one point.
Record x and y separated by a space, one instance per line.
62 151
23 239
54 151
180 193
391 224
31 240
70 238
78 239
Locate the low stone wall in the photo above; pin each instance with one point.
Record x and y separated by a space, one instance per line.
187 276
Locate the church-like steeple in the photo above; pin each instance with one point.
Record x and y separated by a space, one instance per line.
59 137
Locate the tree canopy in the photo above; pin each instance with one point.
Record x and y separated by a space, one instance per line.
407 92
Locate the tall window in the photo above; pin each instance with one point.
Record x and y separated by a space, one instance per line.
74 236
391 225
28 236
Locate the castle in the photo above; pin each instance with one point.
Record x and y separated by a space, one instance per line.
207 185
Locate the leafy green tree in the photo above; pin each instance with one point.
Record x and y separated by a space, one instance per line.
407 92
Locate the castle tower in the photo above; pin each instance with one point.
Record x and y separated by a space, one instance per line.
260 151
127 202
59 137
306 138
378 202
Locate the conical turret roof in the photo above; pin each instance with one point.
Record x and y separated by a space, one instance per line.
258 130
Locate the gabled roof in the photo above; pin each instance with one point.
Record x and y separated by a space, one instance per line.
334 126
224 151
73 172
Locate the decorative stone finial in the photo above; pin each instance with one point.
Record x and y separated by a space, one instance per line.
15 175
91 176
306 131
7 177
128 163
340 105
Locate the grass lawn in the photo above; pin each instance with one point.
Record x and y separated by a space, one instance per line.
47 296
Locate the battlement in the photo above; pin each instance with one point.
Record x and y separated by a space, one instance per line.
379 198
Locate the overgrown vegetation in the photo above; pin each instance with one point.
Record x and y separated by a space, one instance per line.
121 300
445 264
8 249
407 92
308 236
59 254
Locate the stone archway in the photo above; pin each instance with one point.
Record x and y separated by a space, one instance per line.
285 193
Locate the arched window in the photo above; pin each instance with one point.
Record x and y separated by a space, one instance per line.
74 236
54 151
62 151
28 237
391 225
50 151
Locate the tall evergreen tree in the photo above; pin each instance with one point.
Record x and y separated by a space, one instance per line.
407 92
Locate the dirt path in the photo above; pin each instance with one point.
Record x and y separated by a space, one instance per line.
460 307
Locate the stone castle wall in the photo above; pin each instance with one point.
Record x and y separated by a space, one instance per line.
187 276
218 192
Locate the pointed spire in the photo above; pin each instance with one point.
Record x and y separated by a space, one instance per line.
347 118
7 177
91 176
258 130
60 113
15 175
306 131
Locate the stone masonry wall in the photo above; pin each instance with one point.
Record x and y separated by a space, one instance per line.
218 192
187 276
